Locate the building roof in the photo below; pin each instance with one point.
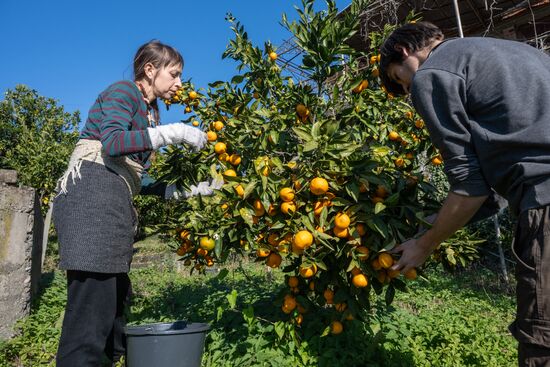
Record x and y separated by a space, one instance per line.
527 20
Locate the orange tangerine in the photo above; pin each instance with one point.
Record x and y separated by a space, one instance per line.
288 207
385 260
360 281
340 232
393 135
302 110
263 252
239 190
336 327
234 159
308 271
274 260
211 136
318 186
207 243
393 273
230 173
411 274
220 148
364 252
361 229
184 235
436 161
258 208
342 220
286 194
293 281
303 239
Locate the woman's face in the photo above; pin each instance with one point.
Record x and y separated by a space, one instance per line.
167 81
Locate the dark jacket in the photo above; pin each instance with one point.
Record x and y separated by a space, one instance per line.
486 104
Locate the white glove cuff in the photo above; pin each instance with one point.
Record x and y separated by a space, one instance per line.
171 192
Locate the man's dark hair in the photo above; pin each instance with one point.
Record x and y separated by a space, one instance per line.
412 36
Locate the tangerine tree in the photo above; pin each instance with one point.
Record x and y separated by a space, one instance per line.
323 174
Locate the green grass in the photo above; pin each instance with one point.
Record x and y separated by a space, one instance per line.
452 321
458 320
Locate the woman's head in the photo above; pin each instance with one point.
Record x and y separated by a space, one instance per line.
406 40
159 67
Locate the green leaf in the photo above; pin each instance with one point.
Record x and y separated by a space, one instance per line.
302 134
222 274
381 151
310 145
219 246
379 207
379 226
237 79
331 127
232 298
247 215
219 313
249 188
390 294
274 136
280 329
248 314
316 130
353 190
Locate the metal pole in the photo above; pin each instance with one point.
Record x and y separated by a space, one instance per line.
500 252
458 21
45 233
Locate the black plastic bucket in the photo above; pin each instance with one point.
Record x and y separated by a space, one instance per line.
175 344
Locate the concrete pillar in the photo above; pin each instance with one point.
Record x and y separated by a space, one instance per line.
20 250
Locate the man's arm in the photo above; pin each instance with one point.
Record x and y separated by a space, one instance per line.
456 211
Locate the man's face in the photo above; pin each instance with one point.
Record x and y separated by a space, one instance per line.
403 73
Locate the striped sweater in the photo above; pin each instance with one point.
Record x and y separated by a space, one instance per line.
118 119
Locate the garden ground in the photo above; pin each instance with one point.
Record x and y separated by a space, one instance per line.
444 320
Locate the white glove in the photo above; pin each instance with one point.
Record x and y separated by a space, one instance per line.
175 133
204 188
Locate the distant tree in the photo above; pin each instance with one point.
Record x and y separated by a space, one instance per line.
37 137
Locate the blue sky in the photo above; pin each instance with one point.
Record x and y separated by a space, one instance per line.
71 50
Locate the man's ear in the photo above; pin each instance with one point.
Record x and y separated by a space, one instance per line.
404 51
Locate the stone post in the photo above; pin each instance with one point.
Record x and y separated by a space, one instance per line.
20 250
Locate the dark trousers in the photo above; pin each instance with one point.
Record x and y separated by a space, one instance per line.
531 249
94 320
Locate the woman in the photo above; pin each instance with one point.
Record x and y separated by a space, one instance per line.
93 212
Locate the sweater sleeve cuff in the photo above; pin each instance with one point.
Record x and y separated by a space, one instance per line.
465 176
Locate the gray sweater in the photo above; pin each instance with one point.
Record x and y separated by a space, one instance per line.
486 104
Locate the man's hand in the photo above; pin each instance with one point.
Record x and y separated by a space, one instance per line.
414 253
455 212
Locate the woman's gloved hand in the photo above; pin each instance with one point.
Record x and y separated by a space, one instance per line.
204 188
176 133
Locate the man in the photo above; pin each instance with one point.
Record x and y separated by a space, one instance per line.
486 104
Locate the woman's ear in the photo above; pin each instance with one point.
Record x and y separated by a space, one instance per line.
149 70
